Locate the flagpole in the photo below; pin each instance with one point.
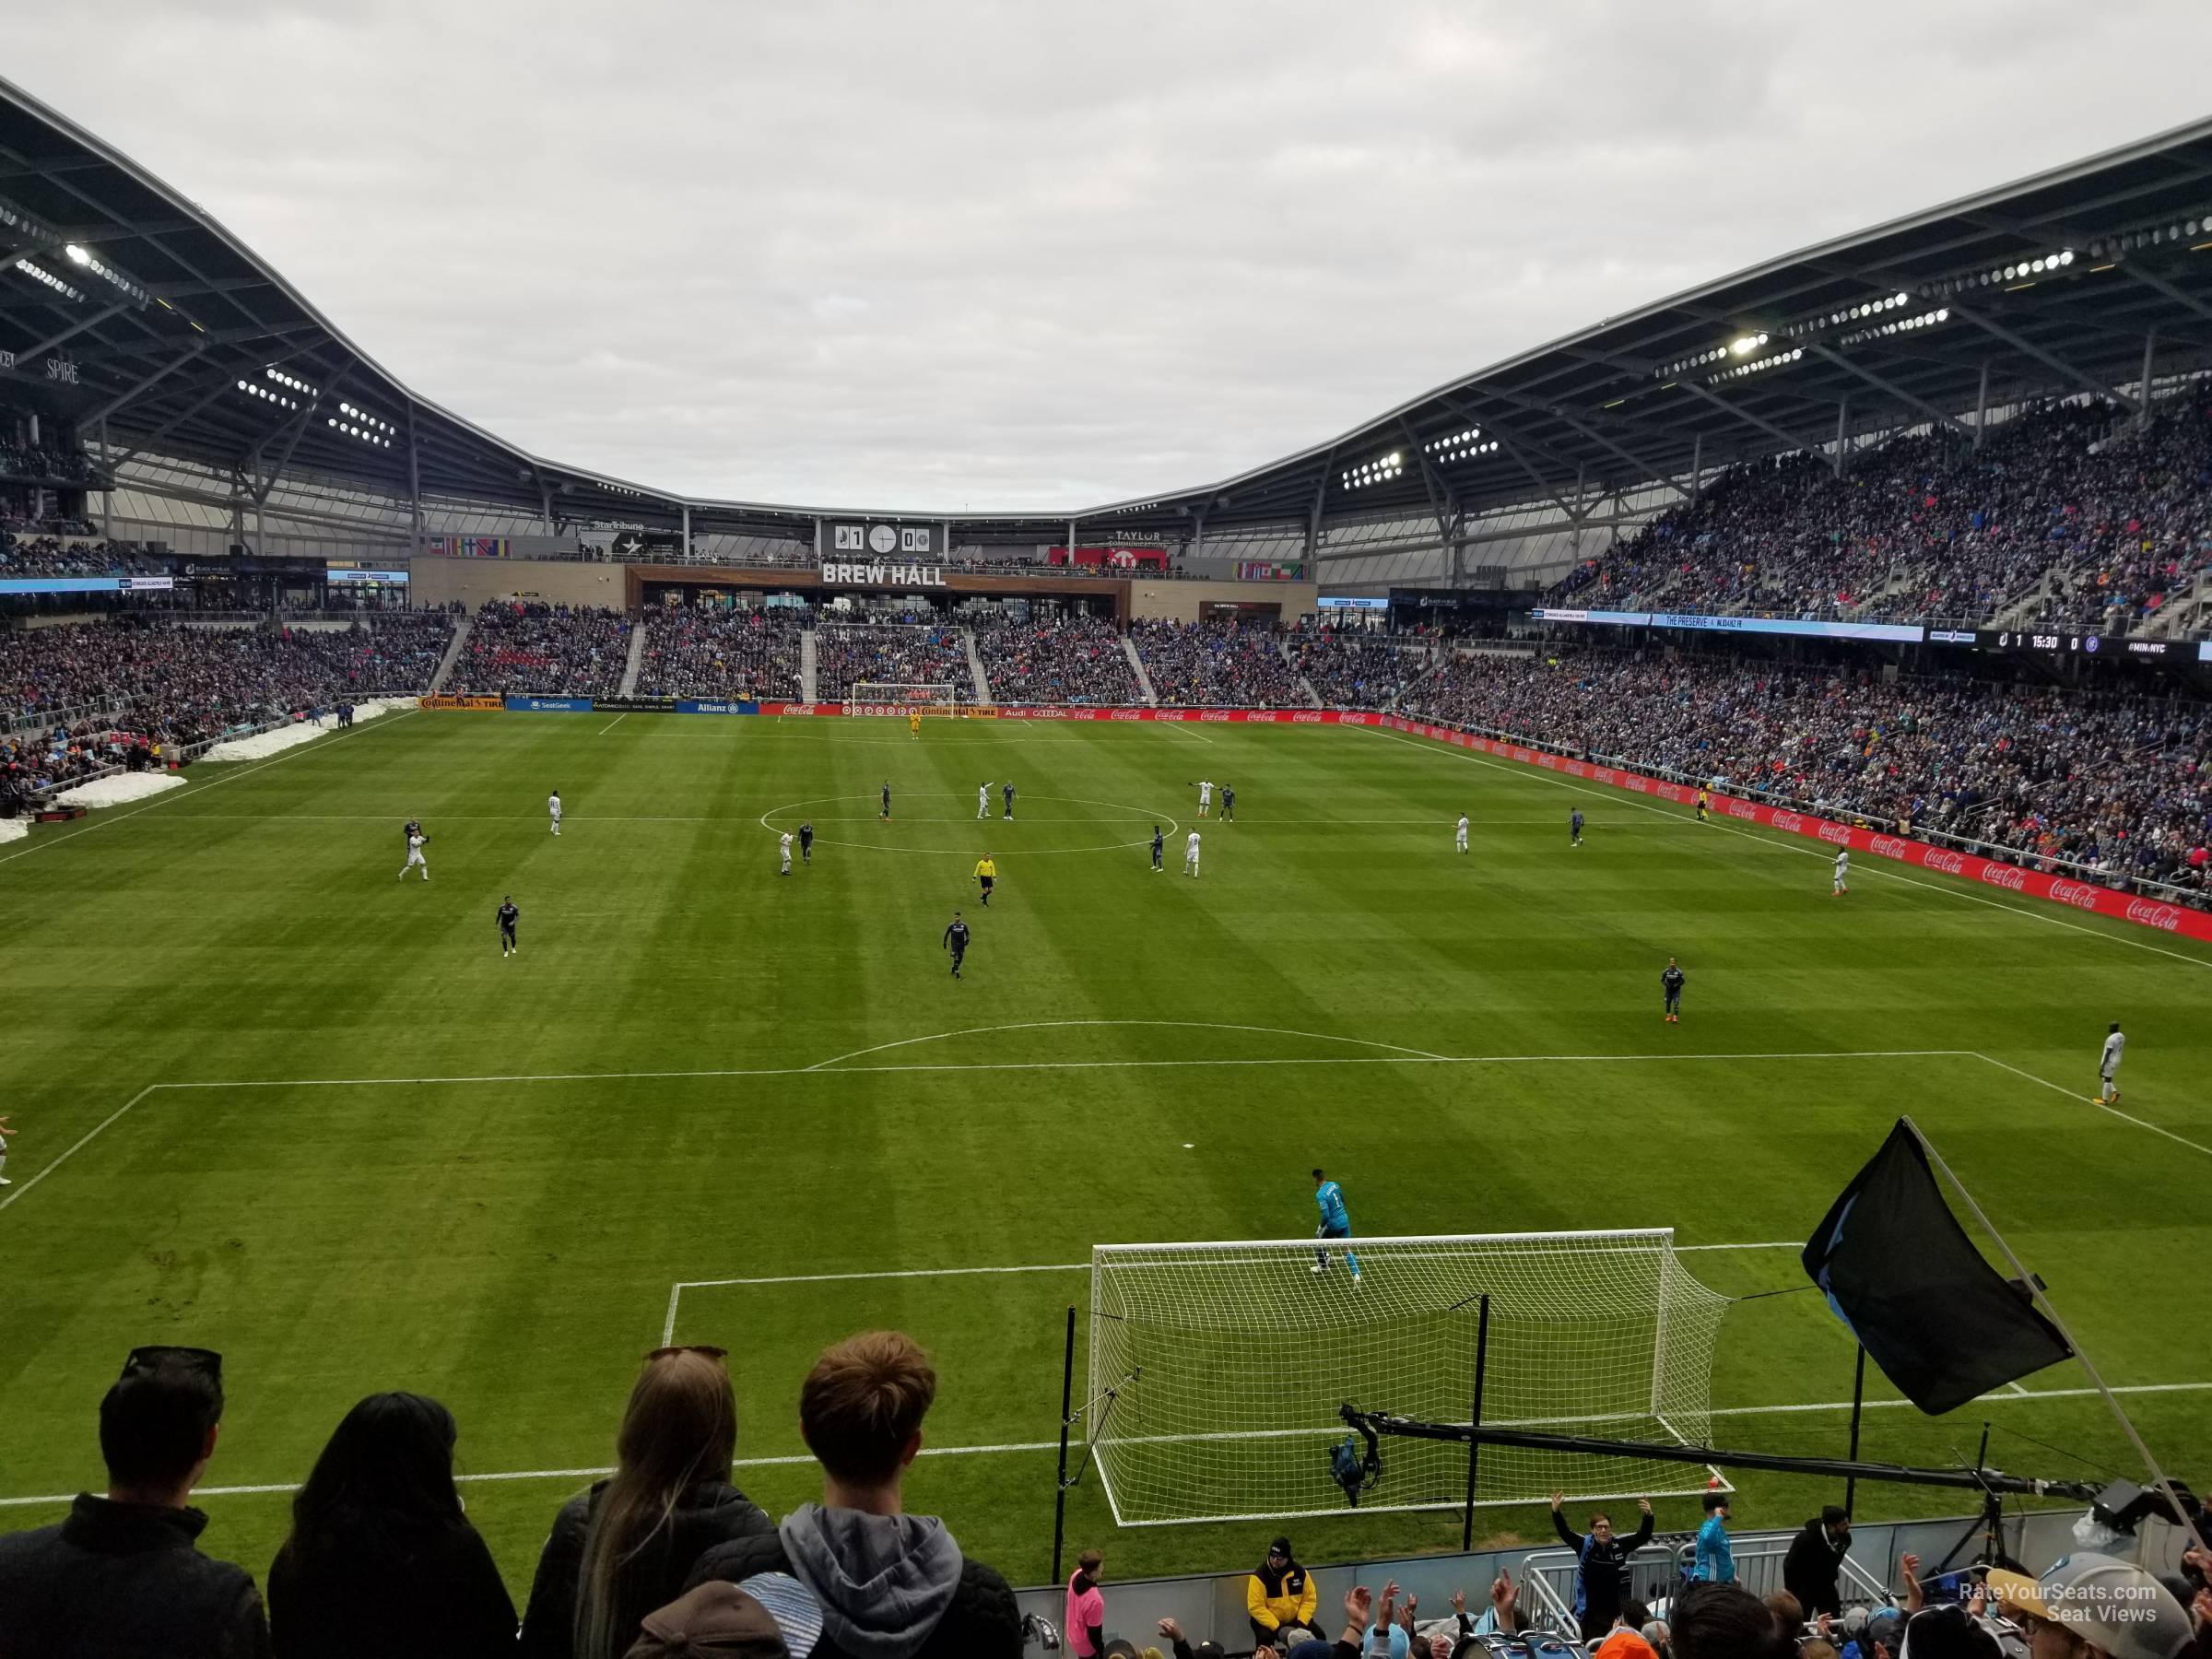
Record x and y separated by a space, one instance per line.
1858 1403
2035 1289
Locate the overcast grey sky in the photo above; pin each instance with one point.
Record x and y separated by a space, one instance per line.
954 254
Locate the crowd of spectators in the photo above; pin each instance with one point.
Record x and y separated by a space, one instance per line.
1357 668
1076 659
914 653
543 650
693 652
663 1557
1217 666
82 698
2119 784
2111 519
33 555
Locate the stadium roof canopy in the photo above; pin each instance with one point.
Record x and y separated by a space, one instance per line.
125 305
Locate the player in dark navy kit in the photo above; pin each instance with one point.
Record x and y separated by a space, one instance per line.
408 832
1160 843
1671 983
955 941
1229 804
1008 792
508 917
886 813
1574 828
806 843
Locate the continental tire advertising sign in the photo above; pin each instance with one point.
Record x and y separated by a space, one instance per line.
464 702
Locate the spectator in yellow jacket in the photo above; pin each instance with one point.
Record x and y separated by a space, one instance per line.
1280 1596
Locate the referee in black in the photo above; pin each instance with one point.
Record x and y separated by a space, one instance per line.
955 941
1671 983
508 917
806 843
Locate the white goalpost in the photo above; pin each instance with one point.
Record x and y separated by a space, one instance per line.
1218 1370
901 698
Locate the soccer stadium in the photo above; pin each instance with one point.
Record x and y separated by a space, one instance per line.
1569 1022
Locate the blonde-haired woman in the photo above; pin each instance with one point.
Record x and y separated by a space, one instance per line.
625 1547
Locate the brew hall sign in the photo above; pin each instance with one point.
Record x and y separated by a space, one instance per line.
901 555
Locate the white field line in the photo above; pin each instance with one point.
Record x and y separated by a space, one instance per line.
1177 726
611 724
83 1141
1622 798
1195 1025
192 793
2100 1105
56 1501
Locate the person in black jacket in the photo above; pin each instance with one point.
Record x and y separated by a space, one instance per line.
121 1574
381 1560
623 1548
882 1583
1814 1566
1601 1585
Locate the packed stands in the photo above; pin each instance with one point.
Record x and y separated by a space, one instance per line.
2121 785
1217 666
2113 519
543 650
692 651
920 654
49 556
1056 659
1353 668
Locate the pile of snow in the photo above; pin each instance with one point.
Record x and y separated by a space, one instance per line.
262 745
118 787
14 829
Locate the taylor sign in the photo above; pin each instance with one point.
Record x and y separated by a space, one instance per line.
840 572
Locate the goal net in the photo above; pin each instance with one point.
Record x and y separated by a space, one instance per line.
1217 1370
901 698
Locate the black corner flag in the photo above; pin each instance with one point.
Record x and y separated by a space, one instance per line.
1896 1267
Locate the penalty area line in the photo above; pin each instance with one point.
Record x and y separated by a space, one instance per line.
2126 1117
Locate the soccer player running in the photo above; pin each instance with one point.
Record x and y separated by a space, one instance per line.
508 917
1159 845
806 843
783 847
415 857
983 799
955 941
1670 981
553 807
1459 836
986 873
1335 1223
2108 1065
1228 804
1190 855
1574 828
883 812
407 831
1842 881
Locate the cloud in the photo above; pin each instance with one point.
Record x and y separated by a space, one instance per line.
972 255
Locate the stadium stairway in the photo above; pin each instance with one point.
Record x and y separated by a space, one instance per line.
2182 610
975 666
1305 685
1137 667
810 658
452 655
636 664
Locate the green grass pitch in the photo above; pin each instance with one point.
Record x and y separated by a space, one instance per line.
363 1151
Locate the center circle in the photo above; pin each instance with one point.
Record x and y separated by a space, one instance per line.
1168 821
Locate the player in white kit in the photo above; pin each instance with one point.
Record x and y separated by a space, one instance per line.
982 800
5 1133
415 857
1460 836
1190 854
1205 796
1842 873
783 846
553 807
2108 1065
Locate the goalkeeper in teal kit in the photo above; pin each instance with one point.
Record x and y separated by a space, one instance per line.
1335 1223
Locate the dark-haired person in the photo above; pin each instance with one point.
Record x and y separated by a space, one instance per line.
1709 1620
123 1575
381 1560
1601 1582
624 1547
1281 1599
1813 1569
872 1579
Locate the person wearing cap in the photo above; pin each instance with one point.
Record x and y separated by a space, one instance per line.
1813 1569
1182 1644
2089 1604
718 1619
1280 1597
